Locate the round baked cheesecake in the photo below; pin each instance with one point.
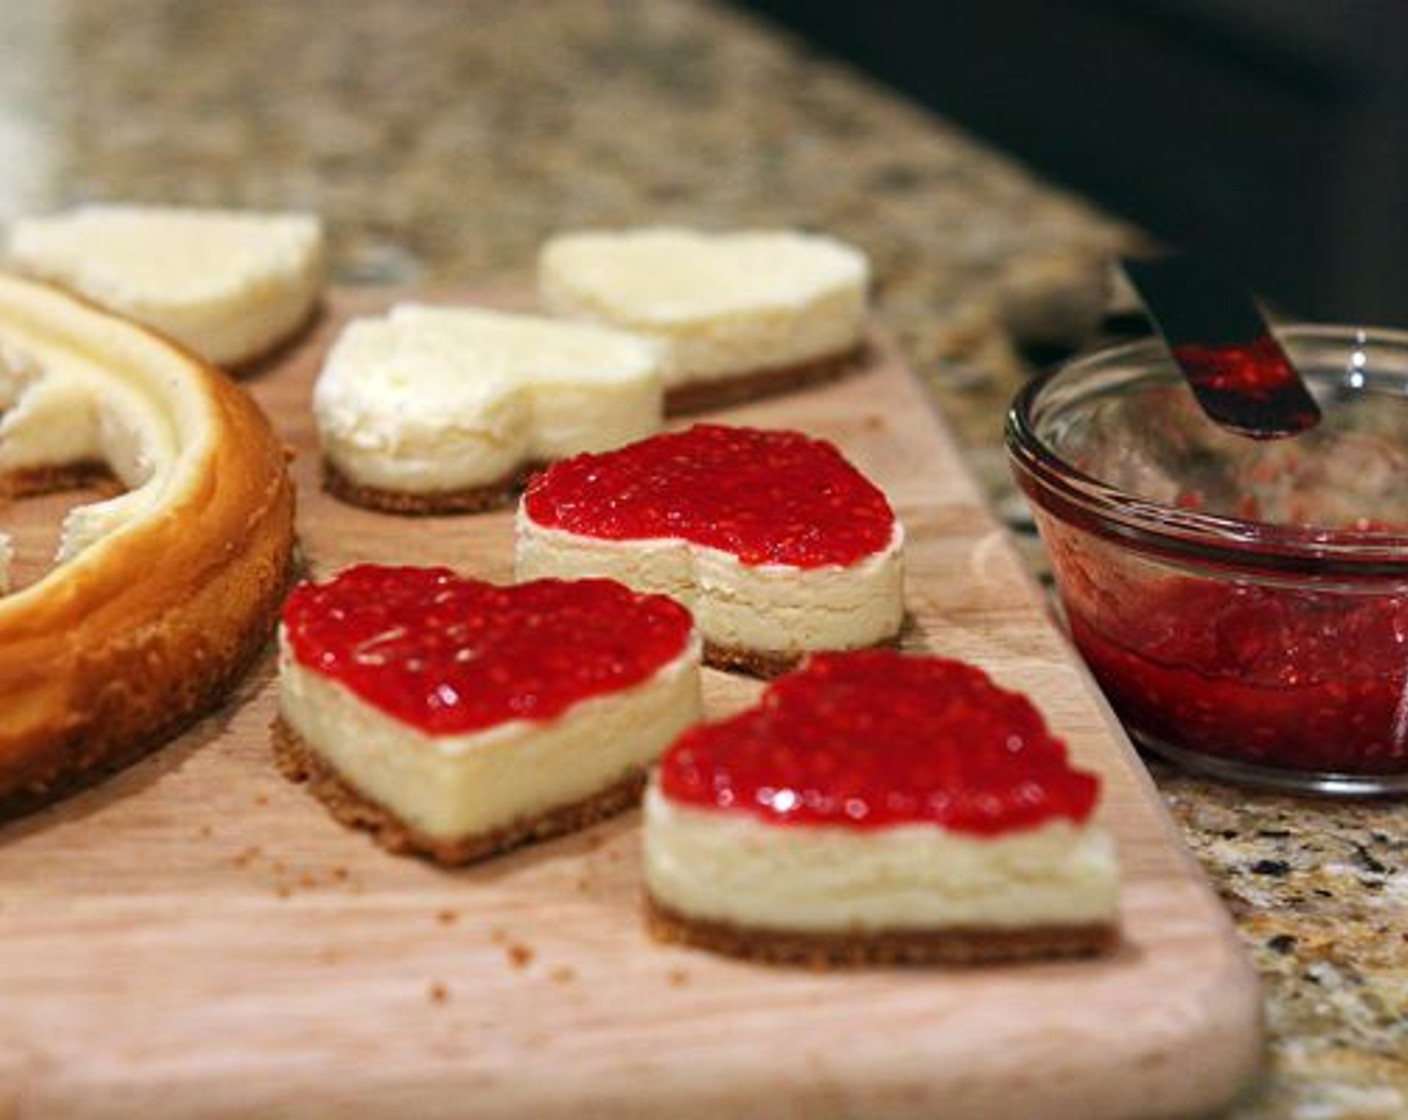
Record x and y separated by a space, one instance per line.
740 314
161 592
876 808
457 718
775 542
435 409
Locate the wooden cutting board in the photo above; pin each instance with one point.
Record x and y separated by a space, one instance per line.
196 937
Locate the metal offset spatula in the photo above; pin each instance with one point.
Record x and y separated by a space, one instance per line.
1217 334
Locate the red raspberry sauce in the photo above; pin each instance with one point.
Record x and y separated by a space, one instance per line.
767 497
451 655
1272 676
873 738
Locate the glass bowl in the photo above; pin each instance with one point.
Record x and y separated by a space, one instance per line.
1243 603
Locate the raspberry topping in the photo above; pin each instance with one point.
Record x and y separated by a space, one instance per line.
452 655
767 497
1301 678
874 738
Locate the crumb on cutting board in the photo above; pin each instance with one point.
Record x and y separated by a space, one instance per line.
247 856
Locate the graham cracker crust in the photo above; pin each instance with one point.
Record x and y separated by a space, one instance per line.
757 663
717 392
971 945
32 482
737 659
474 499
300 763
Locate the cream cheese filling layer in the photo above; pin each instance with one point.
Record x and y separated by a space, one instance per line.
455 786
732 867
724 303
432 400
228 284
770 608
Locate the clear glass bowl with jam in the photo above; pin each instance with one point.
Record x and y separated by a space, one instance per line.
1243 603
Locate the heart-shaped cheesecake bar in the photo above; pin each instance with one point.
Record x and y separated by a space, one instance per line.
232 285
443 409
740 314
458 718
776 543
878 808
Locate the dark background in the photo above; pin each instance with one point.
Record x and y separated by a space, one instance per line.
1272 134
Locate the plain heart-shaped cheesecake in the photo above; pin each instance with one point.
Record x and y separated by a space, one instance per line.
230 284
878 808
442 409
740 314
777 544
458 718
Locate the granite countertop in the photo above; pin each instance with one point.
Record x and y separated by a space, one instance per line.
442 141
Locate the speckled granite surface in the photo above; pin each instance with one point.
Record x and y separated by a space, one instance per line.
443 140
1321 899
